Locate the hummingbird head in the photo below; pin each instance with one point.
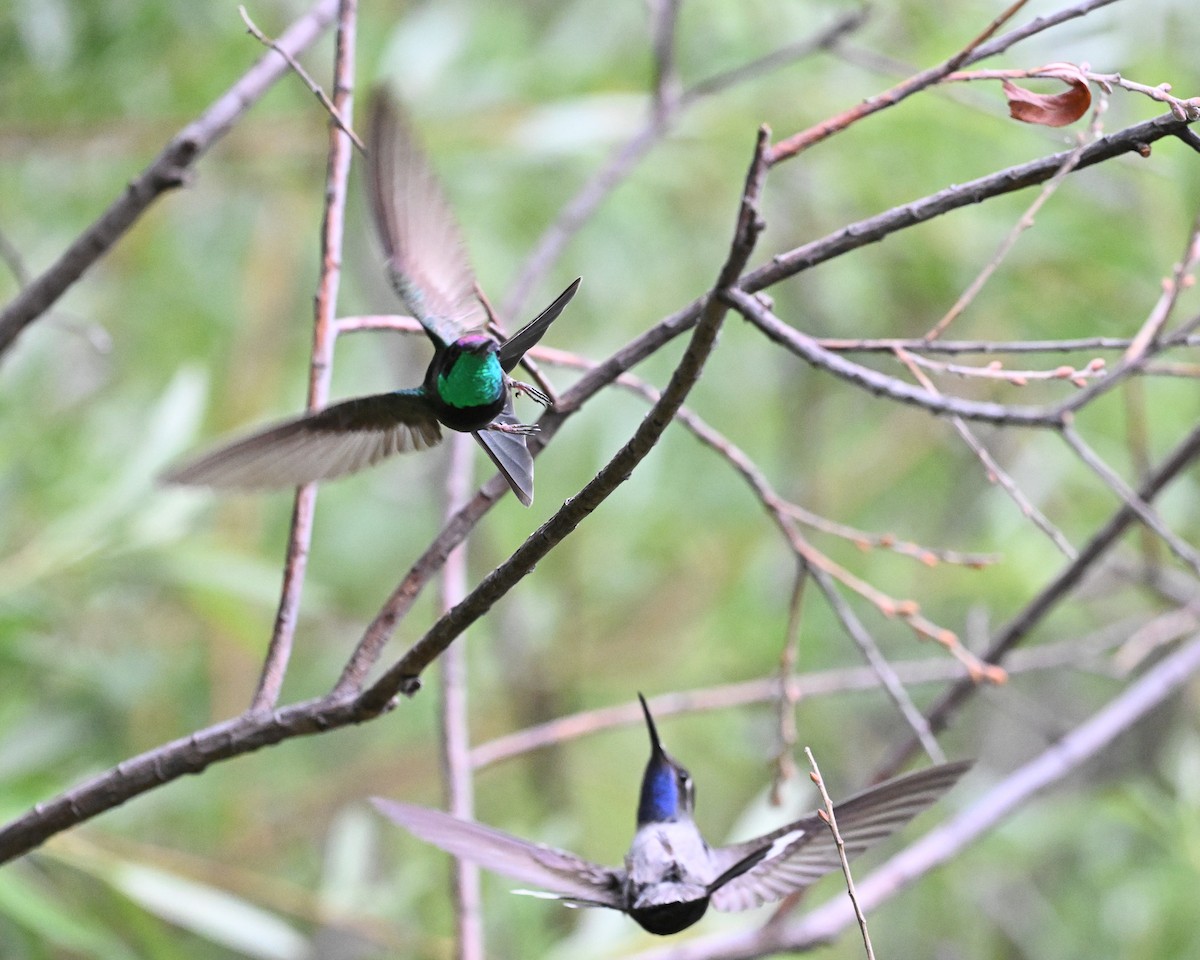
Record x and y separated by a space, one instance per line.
667 790
478 345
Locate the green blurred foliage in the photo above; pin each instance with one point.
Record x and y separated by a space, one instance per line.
131 615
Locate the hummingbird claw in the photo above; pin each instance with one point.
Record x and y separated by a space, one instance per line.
532 392
519 429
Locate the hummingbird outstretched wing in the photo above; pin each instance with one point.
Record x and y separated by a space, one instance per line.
340 439
792 857
515 347
510 455
426 260
565 875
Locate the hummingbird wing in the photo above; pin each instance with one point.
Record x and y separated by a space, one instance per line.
510 454
426 261
795 856
337 440
567 876
514 348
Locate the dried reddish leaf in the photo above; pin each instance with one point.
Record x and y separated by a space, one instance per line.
1051 109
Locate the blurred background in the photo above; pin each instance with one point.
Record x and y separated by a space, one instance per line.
131 615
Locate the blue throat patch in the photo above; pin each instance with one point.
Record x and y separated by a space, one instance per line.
660 794
474 381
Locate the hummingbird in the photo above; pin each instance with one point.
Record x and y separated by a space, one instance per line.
671 874
467 386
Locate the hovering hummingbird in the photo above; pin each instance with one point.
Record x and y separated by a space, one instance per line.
467 386
671 874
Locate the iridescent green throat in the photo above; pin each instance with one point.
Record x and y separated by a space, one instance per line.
475 380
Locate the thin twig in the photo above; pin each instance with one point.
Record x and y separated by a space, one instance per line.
12 259
1151 637
995 473
1183 109
334 112
665 88
826 39
888 680
995 370
830 818
1181 278
790 146
865 540
320 369
1037 25
889 344
785 764
1126 494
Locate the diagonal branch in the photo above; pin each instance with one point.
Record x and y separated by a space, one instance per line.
402 677
790 146
1183 550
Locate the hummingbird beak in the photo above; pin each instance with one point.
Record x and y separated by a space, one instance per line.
656 747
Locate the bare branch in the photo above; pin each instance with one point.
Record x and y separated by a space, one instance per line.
880 384
996 474
785 764
1131 500
1173 286
829 816
320 370
799 142
956 347
252 29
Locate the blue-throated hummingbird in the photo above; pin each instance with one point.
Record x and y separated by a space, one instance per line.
671 874
467 386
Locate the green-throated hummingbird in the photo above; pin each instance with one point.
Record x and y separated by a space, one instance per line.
467 386
671 874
